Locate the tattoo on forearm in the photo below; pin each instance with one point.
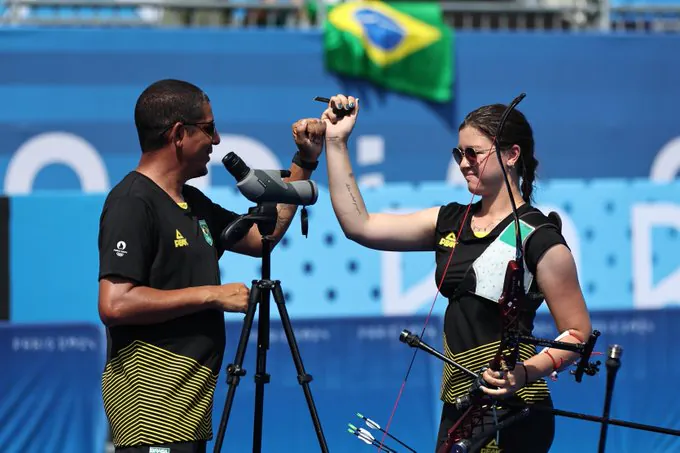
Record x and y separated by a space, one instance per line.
354 200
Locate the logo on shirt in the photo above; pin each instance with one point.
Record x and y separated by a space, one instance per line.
206 232
448 241
492 447
180 241
120 249
159 450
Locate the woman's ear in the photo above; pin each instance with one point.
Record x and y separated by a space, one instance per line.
513 155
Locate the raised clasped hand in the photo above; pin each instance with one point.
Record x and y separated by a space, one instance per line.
308 134
506 383
340 117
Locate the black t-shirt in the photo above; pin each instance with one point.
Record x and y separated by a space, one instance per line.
472 323
159 379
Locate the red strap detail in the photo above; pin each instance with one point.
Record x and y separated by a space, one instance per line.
553 360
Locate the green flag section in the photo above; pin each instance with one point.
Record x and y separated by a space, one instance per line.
402 46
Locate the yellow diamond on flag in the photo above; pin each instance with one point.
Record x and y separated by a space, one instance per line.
388 34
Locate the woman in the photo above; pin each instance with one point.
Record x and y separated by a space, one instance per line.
473 278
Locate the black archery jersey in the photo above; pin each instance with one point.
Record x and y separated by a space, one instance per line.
472 324
159 379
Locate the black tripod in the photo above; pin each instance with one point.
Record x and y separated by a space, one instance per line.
265 216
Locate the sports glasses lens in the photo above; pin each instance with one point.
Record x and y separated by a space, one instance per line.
469 154
209 129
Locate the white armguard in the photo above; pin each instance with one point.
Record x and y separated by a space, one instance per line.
564 365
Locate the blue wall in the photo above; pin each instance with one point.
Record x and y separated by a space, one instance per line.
604 113
620 233
601 105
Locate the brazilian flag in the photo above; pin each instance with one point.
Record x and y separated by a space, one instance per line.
401 46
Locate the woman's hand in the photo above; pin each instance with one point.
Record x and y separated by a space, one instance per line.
507 383
340 117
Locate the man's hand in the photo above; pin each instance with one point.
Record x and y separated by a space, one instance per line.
340 117
308 134
231 297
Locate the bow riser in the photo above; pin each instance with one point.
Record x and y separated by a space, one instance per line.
510 304
476 402
463 429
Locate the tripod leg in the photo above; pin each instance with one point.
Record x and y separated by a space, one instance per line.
303 378
235 370
261 376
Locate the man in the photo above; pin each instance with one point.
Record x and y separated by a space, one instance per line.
160 294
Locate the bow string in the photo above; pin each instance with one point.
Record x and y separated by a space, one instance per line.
508 306
476 403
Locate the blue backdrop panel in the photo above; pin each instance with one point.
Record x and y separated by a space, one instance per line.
59 233
71 94
358 366
623 256
52 394
50 390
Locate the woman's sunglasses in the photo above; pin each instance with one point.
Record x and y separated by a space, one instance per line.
469 153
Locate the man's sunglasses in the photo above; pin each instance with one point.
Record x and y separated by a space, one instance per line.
208 127
470 154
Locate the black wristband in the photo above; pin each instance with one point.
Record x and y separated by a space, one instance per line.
307 165
526 374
